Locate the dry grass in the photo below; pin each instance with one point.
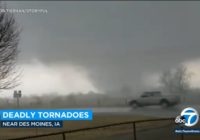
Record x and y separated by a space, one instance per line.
6 133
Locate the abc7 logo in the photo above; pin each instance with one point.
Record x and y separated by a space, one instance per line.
189 117
180 119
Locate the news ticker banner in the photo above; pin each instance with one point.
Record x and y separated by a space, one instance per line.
41 118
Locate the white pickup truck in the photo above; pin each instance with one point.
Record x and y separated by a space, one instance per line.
154 98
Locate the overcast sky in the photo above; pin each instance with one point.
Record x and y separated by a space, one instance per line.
101 46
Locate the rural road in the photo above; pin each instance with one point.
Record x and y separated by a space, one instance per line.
153 111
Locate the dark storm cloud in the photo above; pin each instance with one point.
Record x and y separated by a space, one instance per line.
116 42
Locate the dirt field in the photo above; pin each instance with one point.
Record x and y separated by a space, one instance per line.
162 130
6 133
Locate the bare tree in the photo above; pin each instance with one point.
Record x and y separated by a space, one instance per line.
176 81
9 39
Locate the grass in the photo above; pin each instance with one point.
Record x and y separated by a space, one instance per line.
145 131
6 133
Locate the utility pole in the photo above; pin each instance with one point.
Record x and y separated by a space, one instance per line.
17 95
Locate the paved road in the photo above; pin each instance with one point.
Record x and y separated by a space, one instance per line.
153 111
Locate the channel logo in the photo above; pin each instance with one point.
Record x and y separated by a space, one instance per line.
188 117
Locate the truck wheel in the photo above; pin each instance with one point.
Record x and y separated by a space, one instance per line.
134 105
164 104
